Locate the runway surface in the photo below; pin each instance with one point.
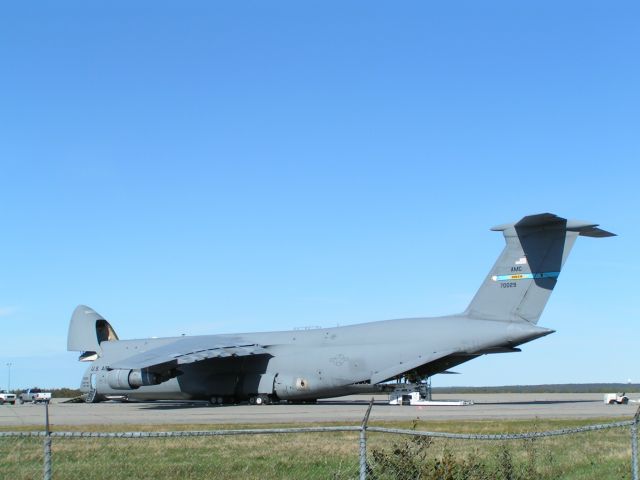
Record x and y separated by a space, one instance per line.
345 409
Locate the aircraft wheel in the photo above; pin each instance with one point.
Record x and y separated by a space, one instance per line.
1 402
259 400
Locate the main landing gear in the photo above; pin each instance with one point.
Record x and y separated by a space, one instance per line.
260 400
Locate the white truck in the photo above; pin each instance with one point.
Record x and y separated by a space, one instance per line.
6 397
34 395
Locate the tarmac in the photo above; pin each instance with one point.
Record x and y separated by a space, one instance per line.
345 409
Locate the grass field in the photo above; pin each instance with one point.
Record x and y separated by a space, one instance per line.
593 455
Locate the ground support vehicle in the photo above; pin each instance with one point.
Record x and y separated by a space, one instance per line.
6 397
34 395
616 398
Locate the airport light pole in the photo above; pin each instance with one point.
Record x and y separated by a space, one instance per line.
9 377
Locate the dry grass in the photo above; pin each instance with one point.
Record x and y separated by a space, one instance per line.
592 455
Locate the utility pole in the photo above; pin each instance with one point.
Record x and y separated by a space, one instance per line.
9 377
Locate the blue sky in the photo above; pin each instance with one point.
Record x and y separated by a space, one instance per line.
248 166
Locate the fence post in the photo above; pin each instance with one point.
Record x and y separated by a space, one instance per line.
363 443
634 445
47 443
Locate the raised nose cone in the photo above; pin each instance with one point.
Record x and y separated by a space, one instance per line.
82 336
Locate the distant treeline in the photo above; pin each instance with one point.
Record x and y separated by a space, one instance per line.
557 388
65 392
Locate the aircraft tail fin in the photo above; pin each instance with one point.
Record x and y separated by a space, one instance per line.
523 277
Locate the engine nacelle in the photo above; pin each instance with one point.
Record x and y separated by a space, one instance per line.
121 379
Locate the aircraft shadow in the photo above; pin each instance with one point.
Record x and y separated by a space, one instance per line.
175 406
538 402
165 405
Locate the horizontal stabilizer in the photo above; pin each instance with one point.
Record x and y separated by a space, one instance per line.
595 232
586 229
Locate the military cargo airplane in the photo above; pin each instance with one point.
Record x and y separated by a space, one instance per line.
305 365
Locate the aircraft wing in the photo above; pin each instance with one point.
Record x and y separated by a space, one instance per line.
185 350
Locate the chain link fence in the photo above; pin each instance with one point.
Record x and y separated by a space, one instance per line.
607 450
592 452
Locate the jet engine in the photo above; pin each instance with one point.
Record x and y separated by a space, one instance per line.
121 379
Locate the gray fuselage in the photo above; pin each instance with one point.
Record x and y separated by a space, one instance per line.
323 362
